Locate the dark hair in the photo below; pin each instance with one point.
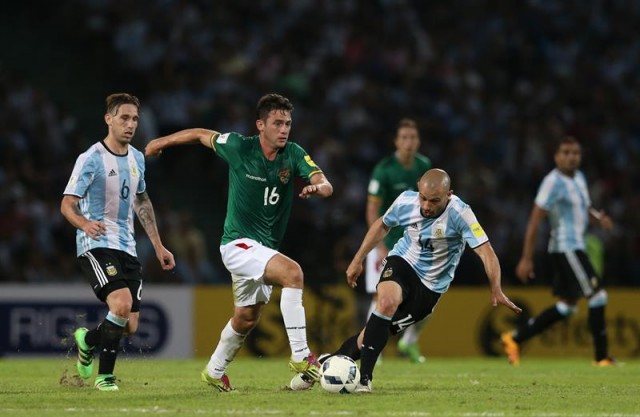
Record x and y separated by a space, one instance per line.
114 101
406 122
270 102
566 140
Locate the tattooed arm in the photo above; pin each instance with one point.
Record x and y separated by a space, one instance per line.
147 218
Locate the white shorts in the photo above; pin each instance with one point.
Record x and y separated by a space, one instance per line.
247 260
372 271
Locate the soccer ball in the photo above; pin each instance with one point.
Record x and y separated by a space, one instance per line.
339 374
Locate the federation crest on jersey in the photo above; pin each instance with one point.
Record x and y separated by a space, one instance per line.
438 233
284 175
111 270
387 273
310 162
134 171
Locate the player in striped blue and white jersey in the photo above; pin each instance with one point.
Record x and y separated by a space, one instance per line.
106 188
563 197
420 267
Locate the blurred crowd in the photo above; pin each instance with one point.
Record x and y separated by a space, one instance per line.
492 84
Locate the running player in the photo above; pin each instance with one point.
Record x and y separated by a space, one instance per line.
563 196
105 189
391 176
420 267
262 169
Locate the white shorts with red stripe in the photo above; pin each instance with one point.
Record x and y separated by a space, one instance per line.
246 260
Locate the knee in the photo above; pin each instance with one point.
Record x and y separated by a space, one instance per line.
120 303
386 305
121 308
244 324
295 276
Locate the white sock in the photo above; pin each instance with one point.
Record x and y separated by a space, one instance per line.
295 322
228 346
412 333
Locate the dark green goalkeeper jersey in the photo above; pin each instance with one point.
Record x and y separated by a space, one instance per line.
389 179
260 191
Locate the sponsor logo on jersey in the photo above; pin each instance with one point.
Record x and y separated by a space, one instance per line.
111 270
477 230
284 175
222 139
112 173
253 177
387 273
310 162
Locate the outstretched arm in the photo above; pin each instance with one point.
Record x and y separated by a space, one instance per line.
492 268
183 137
144 209
374 236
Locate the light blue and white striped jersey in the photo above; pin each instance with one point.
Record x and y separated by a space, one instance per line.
567 201
105 182
433 246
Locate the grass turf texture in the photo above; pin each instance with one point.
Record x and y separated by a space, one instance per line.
439 387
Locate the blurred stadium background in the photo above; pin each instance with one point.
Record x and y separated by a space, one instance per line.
490 82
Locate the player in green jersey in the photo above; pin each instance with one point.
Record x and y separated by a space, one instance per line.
262 169
391 176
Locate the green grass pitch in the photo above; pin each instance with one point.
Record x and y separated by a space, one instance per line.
440 387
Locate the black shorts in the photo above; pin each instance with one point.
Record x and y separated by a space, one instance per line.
418 301
574 276
109 270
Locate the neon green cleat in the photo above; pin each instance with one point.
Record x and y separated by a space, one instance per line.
411 350
84 363
309 367
106 382
222 384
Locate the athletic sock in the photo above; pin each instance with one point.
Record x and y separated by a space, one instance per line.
92 337
538 324
376 334
350 348
111 330
597 325
295 323
412 333
228 346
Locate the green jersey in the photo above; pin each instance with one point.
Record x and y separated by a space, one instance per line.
389 179
260 191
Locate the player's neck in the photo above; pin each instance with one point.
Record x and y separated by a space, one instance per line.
269 152
404 159
115 146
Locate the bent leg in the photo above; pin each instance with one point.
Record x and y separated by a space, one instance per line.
232 337
285 272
